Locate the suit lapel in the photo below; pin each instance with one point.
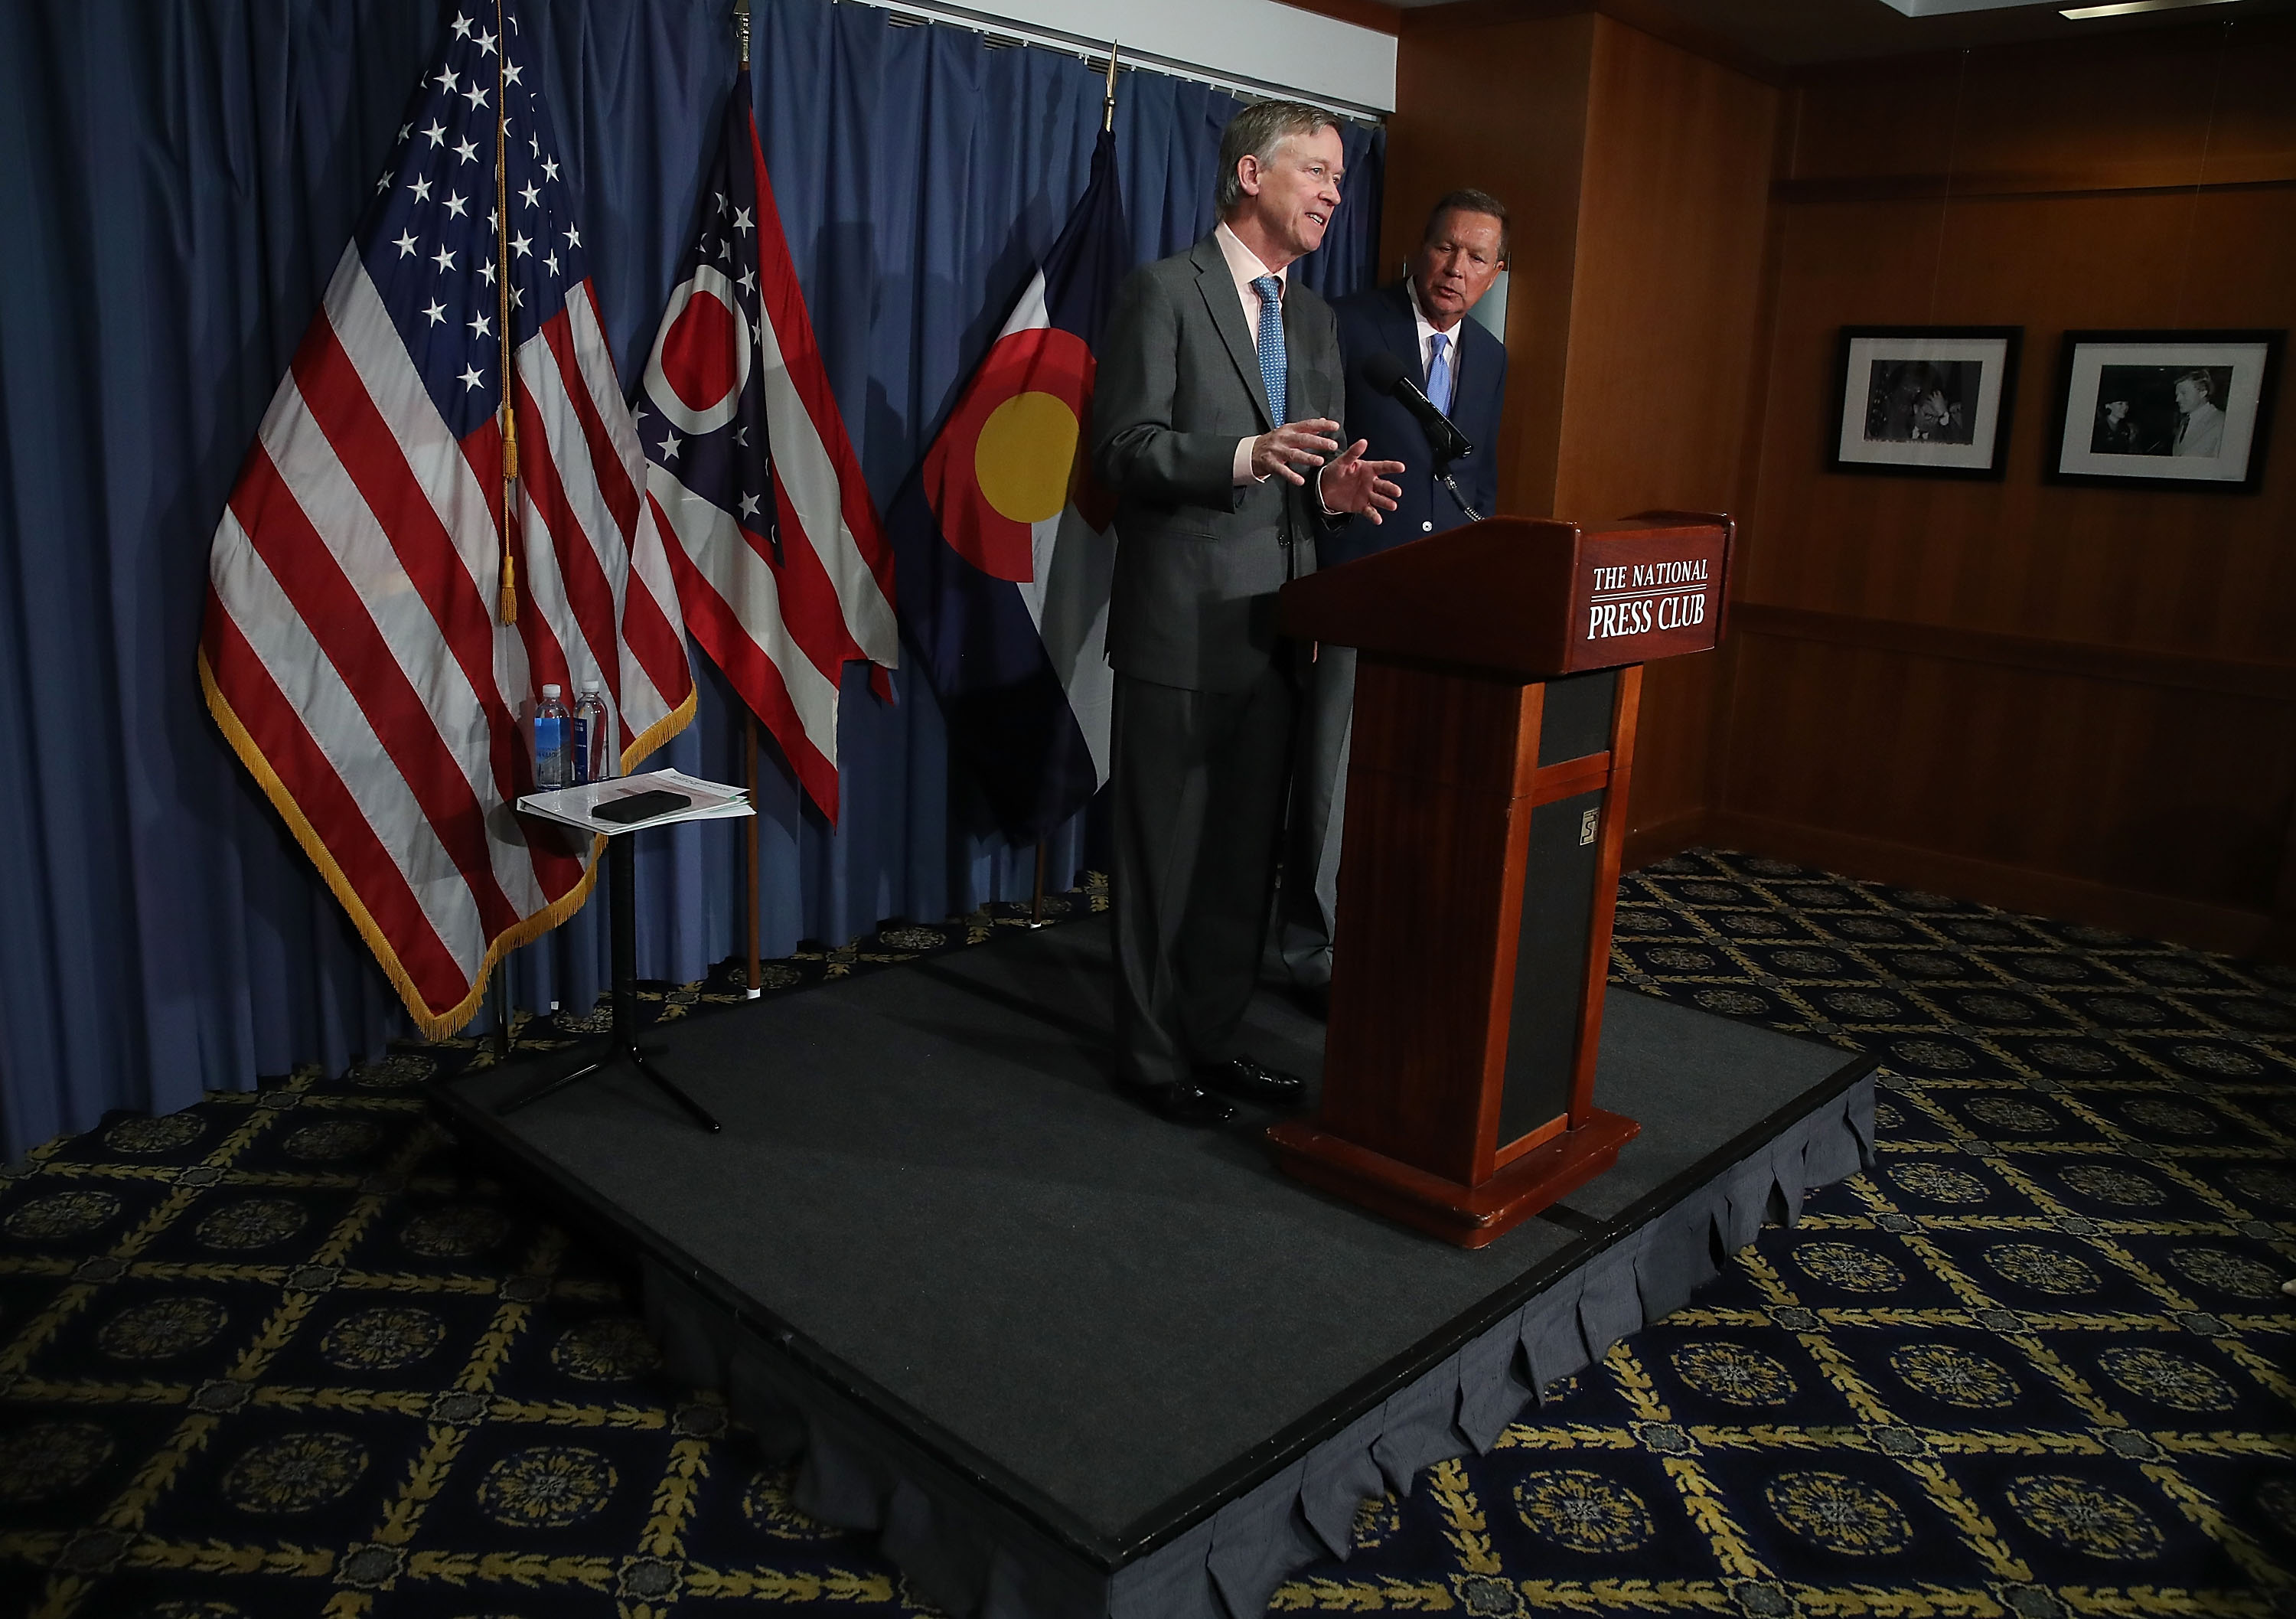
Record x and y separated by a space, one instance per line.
1402 334
1226 310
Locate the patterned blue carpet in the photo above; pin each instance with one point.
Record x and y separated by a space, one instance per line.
290 1353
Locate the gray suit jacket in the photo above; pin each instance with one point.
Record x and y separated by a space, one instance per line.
1198 557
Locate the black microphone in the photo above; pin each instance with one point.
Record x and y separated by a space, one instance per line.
1387 373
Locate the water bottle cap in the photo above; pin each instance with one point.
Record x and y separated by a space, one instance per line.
589 688
551 691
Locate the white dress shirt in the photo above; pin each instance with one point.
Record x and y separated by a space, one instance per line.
1244 265
1426 329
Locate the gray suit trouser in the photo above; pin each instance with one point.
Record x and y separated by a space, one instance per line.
1198 784
1309 912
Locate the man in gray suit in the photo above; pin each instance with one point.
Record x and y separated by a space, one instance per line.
1214 424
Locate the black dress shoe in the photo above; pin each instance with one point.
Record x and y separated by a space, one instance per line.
1180 1103
1248 1080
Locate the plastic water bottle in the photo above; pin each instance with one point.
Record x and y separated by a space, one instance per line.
551 740
594 749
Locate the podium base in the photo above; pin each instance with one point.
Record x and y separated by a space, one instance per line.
1468 1216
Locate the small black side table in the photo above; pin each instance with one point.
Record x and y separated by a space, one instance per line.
570 806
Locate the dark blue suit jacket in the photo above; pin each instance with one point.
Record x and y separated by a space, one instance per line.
1381 319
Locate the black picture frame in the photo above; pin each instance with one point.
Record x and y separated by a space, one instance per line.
1923 401
2121 419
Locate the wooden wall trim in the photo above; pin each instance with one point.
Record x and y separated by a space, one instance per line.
1489 14
1659 21
2266 172
2142 41
1372 15
2280 943
2225 928
2151 916
2233 677
1672 835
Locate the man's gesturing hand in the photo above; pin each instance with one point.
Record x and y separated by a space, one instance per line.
1353 484
1295 444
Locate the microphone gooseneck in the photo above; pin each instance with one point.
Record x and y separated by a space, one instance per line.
1387 373
1444 477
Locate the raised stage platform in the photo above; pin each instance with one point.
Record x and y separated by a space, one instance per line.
1068 1360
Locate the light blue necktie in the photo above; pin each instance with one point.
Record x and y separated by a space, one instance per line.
1438 374
1271 342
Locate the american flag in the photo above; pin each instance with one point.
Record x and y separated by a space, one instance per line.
353 652
782 564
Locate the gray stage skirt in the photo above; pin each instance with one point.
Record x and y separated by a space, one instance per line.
977 1557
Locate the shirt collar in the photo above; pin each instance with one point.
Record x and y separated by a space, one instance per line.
1426 327
1242 263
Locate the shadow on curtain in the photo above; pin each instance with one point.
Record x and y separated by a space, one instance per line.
178 180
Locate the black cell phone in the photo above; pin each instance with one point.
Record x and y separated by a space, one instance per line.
640 806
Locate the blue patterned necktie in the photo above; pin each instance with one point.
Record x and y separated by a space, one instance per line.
1271 342
1438 374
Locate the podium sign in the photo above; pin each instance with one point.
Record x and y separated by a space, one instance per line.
1496 697
1637 596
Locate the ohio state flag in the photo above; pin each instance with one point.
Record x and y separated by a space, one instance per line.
782 564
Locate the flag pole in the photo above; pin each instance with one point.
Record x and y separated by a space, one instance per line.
1107 125
499 991
750 835
752 985
507 608
506 605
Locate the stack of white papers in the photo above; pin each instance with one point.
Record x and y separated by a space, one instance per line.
712 801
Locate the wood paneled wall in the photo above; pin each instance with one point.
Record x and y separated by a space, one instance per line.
2076 700
1501 106
2079 701
1638 175
1664 350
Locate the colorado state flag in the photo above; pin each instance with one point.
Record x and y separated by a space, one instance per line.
1004 542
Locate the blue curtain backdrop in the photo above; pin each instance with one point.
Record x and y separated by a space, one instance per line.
176 182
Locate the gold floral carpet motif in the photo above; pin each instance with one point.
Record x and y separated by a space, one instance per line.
289 1352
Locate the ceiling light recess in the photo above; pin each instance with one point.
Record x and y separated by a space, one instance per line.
2130 8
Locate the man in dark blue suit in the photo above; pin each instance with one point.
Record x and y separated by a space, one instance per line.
1461 367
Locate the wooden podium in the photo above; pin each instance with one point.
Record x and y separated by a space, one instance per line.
1495 693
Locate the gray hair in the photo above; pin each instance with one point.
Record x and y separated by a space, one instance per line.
1257 131
1467 199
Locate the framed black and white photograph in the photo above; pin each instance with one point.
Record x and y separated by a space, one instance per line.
2187 410
1930 401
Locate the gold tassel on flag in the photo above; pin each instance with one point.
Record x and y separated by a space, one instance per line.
510 510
